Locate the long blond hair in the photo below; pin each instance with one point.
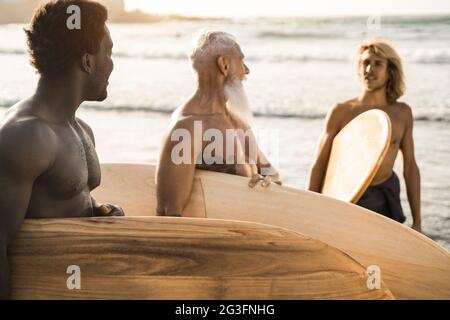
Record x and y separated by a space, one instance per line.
395 86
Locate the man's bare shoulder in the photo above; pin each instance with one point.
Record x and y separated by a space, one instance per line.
24 137
404 111
342 108
21 120
404 108
339 114
86 127
348 105
185 122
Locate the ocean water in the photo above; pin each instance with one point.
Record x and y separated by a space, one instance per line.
299 68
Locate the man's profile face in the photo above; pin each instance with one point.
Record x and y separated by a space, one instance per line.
373 70
239 69
103 67
237 102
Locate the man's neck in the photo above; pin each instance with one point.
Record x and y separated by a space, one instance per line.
375 98
59 97
210 96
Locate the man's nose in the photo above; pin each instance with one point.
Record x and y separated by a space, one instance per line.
368 68
247 70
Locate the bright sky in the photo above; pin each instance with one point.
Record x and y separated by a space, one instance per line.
236 8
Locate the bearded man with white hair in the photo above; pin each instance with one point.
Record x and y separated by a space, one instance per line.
199 133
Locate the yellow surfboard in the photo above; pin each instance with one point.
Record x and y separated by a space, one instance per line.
178 258
412 266
356 155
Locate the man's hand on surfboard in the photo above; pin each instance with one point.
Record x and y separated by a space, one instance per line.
265 180
108 210
255 179
276 178
272 173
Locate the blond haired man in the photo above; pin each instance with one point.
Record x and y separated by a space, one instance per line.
381 74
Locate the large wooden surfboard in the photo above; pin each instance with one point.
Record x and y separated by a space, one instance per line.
179 258
412 265
356 155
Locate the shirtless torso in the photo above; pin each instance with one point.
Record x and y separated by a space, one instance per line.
174 181
48 167
398 114
219 158
68 171
401 118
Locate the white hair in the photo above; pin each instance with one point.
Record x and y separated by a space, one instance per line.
209 45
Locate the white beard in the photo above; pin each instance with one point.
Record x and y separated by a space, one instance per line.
237 102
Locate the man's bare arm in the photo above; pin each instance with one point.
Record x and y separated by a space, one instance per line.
317 172
26 151
411 170
174 180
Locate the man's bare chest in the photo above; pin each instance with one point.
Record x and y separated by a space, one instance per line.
397 124
76 166
225 135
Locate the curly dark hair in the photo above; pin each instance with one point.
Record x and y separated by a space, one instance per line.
52 46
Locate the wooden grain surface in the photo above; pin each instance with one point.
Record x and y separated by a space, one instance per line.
180 258
412 265
357 153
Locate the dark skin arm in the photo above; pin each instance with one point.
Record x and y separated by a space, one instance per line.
99 209
411 170
332 127
26 151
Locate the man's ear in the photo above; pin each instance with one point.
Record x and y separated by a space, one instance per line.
224 65
87 63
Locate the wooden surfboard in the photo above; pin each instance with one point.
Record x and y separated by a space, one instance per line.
179 258
412 265
356 155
